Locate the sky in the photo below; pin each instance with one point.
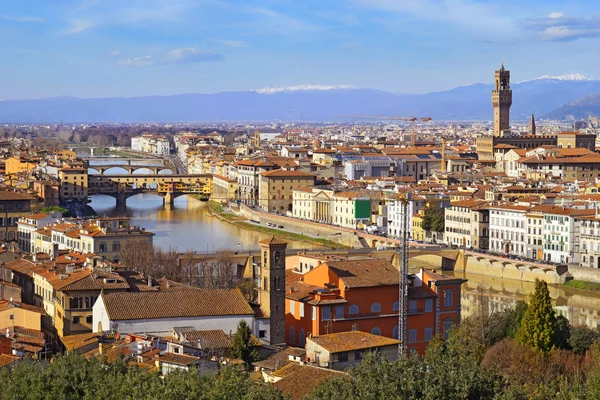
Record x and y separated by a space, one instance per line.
114 48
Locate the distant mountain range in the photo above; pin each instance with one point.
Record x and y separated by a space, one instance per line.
544 96
578 109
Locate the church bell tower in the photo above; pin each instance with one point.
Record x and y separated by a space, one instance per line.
501 100
272 286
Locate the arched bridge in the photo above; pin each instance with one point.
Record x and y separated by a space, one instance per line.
159 165
168 186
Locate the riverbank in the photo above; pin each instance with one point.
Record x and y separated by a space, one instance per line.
217 211
583 286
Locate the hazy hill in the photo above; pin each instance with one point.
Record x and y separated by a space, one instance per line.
305 103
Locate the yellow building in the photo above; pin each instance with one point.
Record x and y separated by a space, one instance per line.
75 297
14 313
15 165
224 188
417 226
73 183
276 188
65 155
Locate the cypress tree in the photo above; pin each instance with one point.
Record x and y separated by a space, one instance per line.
538 326
242 346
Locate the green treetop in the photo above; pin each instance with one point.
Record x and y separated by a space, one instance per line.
538 326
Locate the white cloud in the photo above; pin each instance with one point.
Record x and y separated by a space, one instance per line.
114 53
559 27
79 25
191 54
564 33
142 61
174 56
23 19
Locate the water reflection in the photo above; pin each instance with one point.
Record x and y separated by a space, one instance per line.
185 226
499 294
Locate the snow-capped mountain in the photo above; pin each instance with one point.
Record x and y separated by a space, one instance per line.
567 77
271 90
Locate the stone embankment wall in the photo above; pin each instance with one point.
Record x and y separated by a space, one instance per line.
347 236
510 269
585 274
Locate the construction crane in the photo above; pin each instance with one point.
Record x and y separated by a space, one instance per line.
443 166
403 276
412 121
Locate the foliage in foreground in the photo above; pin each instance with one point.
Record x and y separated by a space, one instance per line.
73 377
489 356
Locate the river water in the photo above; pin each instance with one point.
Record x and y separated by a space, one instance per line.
187 226
184 226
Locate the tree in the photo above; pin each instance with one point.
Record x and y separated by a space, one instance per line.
434 220
248 288
242 346
581 338
514 318
538 327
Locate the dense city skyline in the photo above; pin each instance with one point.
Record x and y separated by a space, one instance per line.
101 48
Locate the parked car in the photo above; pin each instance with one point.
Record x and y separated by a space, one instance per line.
280 226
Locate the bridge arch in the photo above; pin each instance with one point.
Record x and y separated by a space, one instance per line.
165 171
116 171
142 170
93 171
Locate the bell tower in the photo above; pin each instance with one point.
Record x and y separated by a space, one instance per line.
501 100
272 286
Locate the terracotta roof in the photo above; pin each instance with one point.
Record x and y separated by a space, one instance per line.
351 340
74 342
210 339
470 203
299 380
188 303
281 358
96 281
37 216
363 273
7 359
282 173
10 195
21 266
273 240
5 305
178 359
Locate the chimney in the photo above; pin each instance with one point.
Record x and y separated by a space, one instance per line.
149 281
100 348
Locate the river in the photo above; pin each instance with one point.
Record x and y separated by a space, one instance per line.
184 226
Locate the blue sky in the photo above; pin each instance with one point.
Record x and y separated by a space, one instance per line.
104 48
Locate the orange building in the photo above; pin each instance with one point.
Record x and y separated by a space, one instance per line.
340 296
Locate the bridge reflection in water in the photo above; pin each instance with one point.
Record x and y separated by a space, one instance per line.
580 308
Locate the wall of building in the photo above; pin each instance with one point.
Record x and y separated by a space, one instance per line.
25 318
165 325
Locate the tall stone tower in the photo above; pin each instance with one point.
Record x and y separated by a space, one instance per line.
501 100
532 129
272 286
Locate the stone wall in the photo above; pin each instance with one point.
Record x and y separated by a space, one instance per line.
585 274
336 234
510 269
